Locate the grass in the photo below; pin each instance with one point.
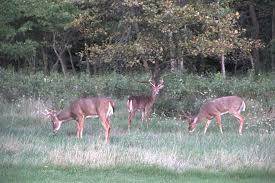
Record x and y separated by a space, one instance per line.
164 152
126 174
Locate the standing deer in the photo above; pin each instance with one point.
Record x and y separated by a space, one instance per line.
84 108
143 103
215 109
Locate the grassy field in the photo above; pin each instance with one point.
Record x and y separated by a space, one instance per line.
164 152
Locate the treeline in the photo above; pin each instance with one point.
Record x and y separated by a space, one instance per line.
201 36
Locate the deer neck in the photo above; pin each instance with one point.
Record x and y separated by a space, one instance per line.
203 115
153 97
200 117
64 115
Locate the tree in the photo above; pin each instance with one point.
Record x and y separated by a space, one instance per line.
13 29
218 33
273 40
27 25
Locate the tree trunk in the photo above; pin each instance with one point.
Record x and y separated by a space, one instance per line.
272 107
88 71
33 59
235 66
255 34
71 60
273 42
60 54
156 71
61 60
181 63
94 68
55 66
223 66
172 48
45 61
252 63
145 65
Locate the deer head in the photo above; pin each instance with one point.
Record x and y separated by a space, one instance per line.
192 121
156 87
52 114
192 124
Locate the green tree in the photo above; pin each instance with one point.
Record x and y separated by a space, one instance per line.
218 33
30 24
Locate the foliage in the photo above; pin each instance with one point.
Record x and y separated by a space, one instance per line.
181 92
117 35
24 23
218 32
157 31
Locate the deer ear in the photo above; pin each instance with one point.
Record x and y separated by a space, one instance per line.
46 113
49 112
153 83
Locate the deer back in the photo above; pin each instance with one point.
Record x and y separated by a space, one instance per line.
92 106
140 102
219 106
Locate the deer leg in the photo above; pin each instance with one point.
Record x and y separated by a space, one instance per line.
142 116
106 124
147 113
130 117
145 118
218 120
241 120
80 124
108 130
206 125
77 129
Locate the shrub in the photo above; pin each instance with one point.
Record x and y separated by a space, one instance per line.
182 92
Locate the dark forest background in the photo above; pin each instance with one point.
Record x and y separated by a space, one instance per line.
187 36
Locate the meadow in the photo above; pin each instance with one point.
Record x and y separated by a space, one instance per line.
163 152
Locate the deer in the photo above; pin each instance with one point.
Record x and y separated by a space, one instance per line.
143 103
82 108
233 105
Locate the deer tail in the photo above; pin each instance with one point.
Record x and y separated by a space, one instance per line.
242 108
111 108
130 105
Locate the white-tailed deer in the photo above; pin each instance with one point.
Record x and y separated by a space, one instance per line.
84 108
215 109
143 103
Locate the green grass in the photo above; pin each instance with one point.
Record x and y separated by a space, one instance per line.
11 173
164 152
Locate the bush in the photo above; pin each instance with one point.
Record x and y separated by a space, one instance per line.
181 92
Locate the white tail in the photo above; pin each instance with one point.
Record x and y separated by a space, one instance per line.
83 108
243 107
143 103
216 108
110 111
130 105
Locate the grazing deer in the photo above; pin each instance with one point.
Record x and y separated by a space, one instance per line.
84 108
143 103
215 109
